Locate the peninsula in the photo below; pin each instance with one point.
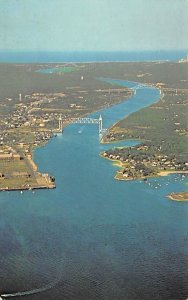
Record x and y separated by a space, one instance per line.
182 196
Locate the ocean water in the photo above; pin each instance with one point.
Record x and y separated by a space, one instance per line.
94 237
90 56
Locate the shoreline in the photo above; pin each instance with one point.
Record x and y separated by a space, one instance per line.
119 174
179 197
42 180
160 174
90 62
41 187
46 178
120 164
117 163
166 173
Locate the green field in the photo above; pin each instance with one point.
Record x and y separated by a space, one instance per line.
58 70
13 166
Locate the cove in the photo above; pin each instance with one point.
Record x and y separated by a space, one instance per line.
94 237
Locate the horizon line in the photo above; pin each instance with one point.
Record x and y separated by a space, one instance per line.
80 51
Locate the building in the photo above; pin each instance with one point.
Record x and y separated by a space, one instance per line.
10 156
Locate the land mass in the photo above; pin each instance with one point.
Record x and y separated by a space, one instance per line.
182 196
161 128
34 96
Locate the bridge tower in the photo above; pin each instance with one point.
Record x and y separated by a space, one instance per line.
60 123
100 124
20 97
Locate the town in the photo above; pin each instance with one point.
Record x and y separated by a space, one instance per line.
138 162
32 116
31 120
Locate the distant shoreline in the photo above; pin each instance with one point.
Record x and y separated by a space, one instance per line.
44 57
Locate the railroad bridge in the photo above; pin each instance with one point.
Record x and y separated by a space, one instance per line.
98 121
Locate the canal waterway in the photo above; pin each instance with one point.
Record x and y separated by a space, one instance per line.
94 237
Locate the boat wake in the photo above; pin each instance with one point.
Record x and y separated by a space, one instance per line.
45 288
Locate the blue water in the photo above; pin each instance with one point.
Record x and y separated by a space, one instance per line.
95 56
52 70
94 237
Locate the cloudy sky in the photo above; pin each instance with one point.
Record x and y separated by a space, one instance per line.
63 25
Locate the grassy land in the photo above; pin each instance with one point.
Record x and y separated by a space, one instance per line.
162 128
17 183
163 124
10 167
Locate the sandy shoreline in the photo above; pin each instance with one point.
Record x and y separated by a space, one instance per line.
166 173
180 197
120 164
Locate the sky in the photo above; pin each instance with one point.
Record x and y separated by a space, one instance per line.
93 25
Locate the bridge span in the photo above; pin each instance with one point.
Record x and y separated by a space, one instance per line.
98 121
